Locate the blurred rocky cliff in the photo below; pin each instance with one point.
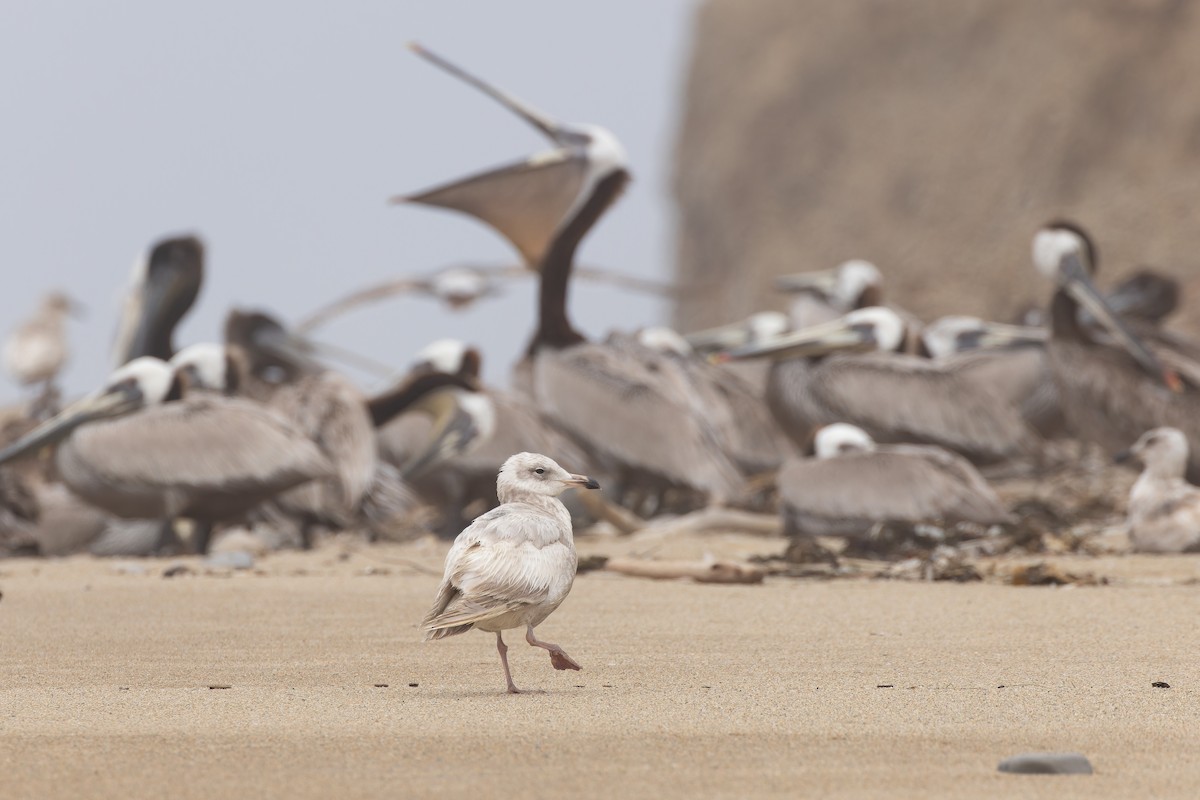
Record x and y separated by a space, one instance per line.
932 138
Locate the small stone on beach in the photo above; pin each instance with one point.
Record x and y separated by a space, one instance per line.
1047 764
1161 685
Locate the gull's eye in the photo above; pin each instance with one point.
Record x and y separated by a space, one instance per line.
539 470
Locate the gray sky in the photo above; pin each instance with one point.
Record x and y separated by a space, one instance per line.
276 130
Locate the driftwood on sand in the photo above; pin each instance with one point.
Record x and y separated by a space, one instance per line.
704 571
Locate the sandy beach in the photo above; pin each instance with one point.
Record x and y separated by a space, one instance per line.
844 688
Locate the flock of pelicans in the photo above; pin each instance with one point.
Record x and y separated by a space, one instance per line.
859 412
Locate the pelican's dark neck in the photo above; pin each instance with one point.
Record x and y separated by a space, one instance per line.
1064 318
391 403
554 327
870 296
168 305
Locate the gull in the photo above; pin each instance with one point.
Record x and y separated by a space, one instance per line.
515 564
1164 509
37 350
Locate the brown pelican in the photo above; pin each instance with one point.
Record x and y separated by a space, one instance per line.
140 450
277 369
273 365
733 407
1164 509
492 424
442 387
854 483
895 397
621 407
1114 387
37 350
515 564
461 286
1005 360
164 287
824 295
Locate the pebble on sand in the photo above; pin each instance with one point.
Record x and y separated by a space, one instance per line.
1047 764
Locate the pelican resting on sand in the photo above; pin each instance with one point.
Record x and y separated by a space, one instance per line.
139 449
1164 509
513 565
854 483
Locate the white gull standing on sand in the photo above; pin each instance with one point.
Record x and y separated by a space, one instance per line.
515 564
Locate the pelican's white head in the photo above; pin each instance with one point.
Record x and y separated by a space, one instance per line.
148 377
664 340
885 325
854 278
766 325
1054 242
943 337
840 438
205 365
444 355
532 474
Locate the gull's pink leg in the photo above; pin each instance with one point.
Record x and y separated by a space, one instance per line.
558 658
503 648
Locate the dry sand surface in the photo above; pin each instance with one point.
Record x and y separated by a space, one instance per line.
687 690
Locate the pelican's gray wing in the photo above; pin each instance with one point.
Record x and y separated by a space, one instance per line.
751 435
636 409
524 202
901 483
1019 374
902 398
512 556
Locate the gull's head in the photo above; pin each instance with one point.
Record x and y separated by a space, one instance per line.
1163 452
531 473
841 438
